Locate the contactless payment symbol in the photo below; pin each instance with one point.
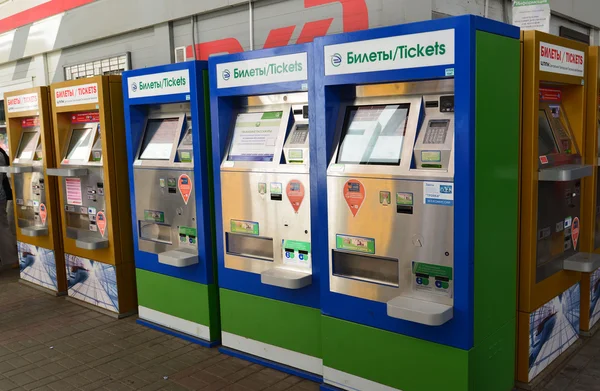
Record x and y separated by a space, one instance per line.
101 222
295 193
43 213
575 232
354 194
185 187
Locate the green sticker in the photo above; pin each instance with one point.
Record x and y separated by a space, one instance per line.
404 199
276 188
244 227
186 157
432 270
187 231
355 243
161 182
272 115
431 156
172 182
154 215
297 245
295 154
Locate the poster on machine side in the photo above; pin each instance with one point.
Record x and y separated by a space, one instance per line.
531 15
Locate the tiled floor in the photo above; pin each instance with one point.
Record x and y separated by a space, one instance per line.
52 344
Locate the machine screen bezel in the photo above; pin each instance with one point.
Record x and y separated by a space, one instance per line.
177 138
93 128
21 149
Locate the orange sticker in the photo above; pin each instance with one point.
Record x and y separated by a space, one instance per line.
185 187
101 222
43 213
295 193
575 232
354 193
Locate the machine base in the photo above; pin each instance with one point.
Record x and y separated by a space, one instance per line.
41 288
271 364
590 333
185 337
99 309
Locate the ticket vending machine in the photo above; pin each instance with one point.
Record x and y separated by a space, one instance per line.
35 197
168 139
418 141
553 169
590 225
89 139
263 152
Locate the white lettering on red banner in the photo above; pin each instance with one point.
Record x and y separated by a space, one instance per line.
25 102
559 59
76 95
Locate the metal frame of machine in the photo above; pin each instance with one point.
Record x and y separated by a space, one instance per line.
32 110
95 103
196 317
365 344
549 292
249 295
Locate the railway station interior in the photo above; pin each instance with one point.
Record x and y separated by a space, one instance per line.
332 195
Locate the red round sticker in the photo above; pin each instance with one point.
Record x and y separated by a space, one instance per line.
101 222
185 187
43 213
575 232
354 194
295 193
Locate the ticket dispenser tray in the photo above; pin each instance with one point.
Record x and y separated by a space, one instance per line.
285 278
16 169
70 172
565 173
34 231
178 258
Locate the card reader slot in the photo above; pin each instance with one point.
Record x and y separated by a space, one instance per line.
367 268
249 246
276 197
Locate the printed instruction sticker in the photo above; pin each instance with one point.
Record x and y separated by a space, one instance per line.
43 213
438 193
184 183
154 215
405 199
575 232
432 278
276 188
295 193
354 194
74 193
188 236
244 227
544 159
384 198
355 243
262 188
101 222
296 252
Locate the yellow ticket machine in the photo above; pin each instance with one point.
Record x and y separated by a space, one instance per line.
35 199
590 235
89 136
553 169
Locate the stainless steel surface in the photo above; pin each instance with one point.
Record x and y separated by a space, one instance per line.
428 313
598 161
16 169
284 278
558 206
426 235
91 243
565 173
597 219
179 258
67 172
582 262
34 231
377 270
249 246
30 194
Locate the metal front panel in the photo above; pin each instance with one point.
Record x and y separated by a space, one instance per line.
30 193
246 197
597 219
81 219
558 206
425 236
161 212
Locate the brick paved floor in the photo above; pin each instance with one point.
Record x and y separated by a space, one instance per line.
48 343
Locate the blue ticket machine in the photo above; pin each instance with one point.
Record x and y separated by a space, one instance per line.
417 130
169 162
263 151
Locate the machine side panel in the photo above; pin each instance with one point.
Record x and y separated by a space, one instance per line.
496 185
402 362
273 322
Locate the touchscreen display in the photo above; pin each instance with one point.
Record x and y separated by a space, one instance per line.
373 134
27 146
159 138
79 145
255 136
546 142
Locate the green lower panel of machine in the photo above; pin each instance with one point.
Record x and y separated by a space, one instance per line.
181 305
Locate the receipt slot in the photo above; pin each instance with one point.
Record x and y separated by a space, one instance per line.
590 227
31 148
263 151
169 158
418 140
89 139
553 174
